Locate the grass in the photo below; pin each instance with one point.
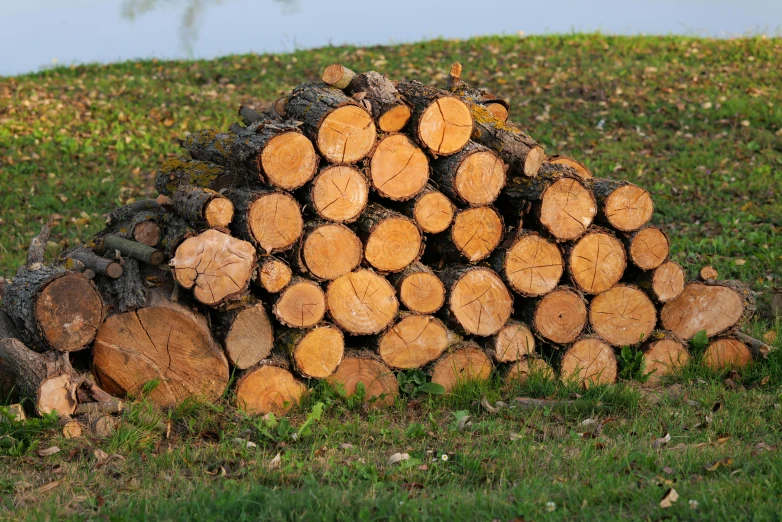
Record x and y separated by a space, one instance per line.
697 122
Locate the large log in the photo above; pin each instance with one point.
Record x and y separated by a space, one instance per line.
270 387
245 332
398 169
414 341
647 248
588 362
165 342
342 130
362 302
596 262
54 308
478 301
339 193
315 353
663 355
475 175
327 251
441 122
623 206
513 342
215 265
432 211
559 317
301 304
562 203
476 232
714 307
462 364
623 315
391 240
419 289
530 264
270 219
365 369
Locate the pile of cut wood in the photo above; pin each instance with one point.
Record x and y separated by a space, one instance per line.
357 228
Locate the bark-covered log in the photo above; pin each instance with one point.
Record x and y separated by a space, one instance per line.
203 207
127 292
215 265
314 353
269 387
338 76
362 367
464 363
441 122
274 274
475 175
559 317
176 230
581 169
498 108
647 248
562 203
270 219
245 332
714 307
379 96
623 315
478 302
301 304
596 262
663 355
362 302
414 341
134 249
100 265
54 308
339 193
398 169
391 240
419 289
165 342
139 221
622 205
342 130
177 171
663 284
589 362
529 263
327 251
47 379
432 211
513 342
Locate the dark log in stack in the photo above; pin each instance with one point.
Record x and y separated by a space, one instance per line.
359 228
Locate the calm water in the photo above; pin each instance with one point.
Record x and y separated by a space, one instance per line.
37 33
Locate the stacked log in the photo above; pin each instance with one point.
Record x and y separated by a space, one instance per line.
361 228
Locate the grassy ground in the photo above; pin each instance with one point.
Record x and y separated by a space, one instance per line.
697 122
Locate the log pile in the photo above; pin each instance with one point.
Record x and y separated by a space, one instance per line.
361 227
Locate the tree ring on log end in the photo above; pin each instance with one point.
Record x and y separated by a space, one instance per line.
726 353
362 302
269 389
664 357
480 302
399 169
589 362
597 262
275 221
346 134
480 178
623 315
628 208
339 193
319 352
331 250
69 311
414 341
533 265
433 212
567 209
460 366
395 118
560 316
445 126
379 382
649 248
477 232
668 281
301 304
289 160
422 292
219 212
393 244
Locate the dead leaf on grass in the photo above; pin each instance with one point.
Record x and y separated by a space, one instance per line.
48 451
48 487
662 441
760 447
276 462
669 498
398 457
487 405
727 461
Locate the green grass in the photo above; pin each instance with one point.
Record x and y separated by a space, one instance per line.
697 122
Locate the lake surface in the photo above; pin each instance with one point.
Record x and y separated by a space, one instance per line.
38 33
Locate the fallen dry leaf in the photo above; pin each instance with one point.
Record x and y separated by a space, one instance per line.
760 447
662 441
346 446
398 457
48 487
727 461
669 498
48 451
100 455
770 336
487 405
275 462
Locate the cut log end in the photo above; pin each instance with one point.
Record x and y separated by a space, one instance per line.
275 221
330 251
289 160
219 212
702 307
395 118
708 273
498 111
536 157
301 305
664 357
339 193
69 311
269 389
513 342
337 76
398 168
422 292
275 275
567 208
445 126
649 248
463 365
533 265
480 302
393 244
581 169
147 233
217 266
477 232
480 178
522 371
589 362
628 208
623 315
560 316
250 337
726 353
362 302
412 342
597 262
319 352
433 212
346 134
668 281
378 381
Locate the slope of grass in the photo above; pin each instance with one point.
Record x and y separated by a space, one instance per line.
697 122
